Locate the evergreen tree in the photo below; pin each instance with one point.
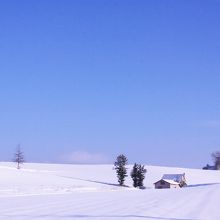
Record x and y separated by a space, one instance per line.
134 175
120 168
141 175
216 158
138 175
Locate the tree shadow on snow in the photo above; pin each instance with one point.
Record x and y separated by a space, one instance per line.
203 184
94 181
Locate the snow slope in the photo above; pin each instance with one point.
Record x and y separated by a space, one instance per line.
90 192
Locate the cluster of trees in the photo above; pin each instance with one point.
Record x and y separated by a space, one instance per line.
216 159
137 173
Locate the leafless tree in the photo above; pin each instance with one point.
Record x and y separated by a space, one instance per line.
18 157
216 158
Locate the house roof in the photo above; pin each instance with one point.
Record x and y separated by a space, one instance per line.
174 177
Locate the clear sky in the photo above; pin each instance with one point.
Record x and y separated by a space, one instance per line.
85 80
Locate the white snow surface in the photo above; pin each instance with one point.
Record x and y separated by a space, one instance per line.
171 182
90 192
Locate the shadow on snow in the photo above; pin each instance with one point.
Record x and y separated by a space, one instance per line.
203 184
93 181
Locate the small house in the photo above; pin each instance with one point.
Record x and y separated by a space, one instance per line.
171 181
166 184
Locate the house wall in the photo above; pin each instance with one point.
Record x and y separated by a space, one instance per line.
172 186
162 185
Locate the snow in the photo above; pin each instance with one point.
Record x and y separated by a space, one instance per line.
170 181
90 192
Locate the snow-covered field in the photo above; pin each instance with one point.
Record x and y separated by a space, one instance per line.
90 192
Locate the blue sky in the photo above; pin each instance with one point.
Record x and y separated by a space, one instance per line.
83 81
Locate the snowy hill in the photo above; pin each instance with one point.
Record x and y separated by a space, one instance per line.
55 191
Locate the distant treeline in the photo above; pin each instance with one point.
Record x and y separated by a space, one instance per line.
216 158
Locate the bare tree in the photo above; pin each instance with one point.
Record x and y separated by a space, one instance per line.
18 157
216 158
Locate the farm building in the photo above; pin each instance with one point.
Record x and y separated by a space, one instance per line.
171 181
